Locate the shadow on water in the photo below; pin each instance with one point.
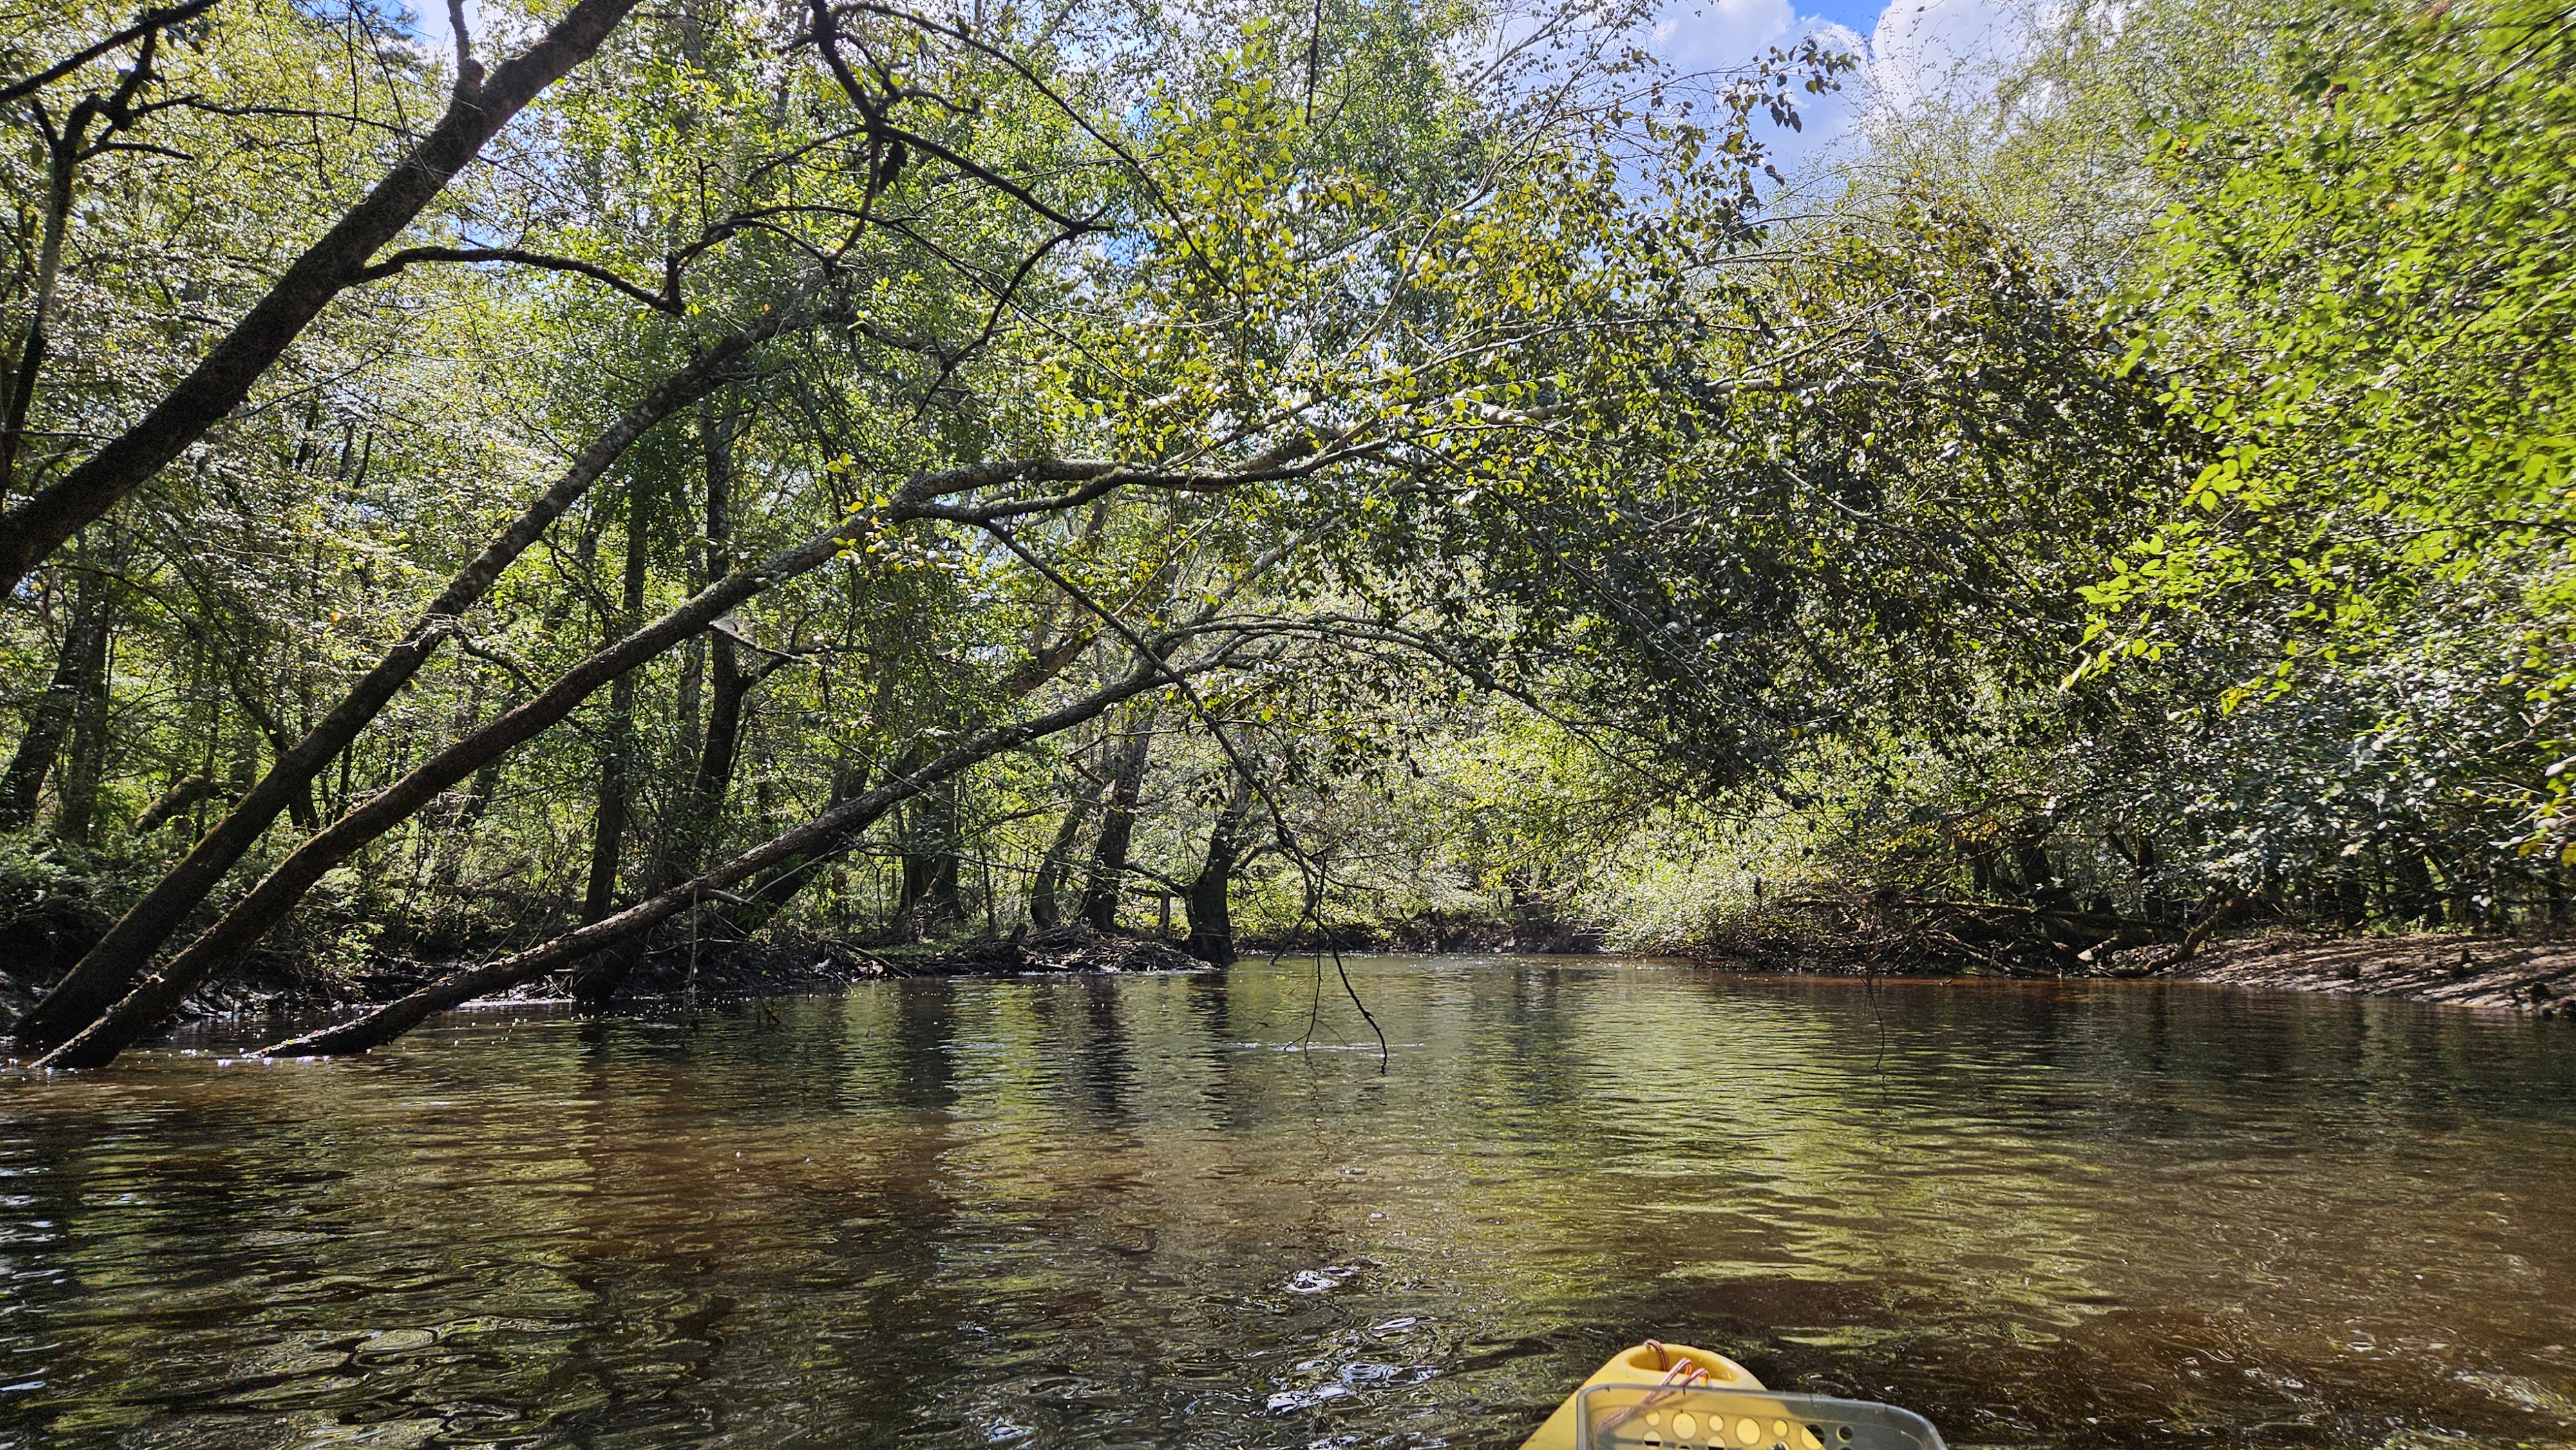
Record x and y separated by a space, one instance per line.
1152 1210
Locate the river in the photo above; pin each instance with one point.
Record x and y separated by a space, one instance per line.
1167 1211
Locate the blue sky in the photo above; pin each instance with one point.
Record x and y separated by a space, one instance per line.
1860 18
1715 33
1909 48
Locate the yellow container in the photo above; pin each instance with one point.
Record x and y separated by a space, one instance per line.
1646 1364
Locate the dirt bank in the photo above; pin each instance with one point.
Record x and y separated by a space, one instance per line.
2532 972
2534 975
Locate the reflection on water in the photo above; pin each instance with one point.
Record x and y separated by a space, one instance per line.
1153 1211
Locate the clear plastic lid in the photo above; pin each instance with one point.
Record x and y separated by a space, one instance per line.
1668 1417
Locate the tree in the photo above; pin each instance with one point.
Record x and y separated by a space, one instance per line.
344 256
1045 366
1211 890
2357 296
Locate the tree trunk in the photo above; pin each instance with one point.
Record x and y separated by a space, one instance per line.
728 692
110 968
779 884
183 793
2040 883
1109 857
927 899
77 798
617 762
61 172
77 669
338 261
693 816
1046 892
841 824
1211 906
239 929
2412 896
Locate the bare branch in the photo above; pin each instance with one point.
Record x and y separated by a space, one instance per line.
658 301
469 71
150 23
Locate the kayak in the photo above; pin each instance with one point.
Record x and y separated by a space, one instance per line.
1658 1396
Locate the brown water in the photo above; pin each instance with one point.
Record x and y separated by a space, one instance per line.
1133 1212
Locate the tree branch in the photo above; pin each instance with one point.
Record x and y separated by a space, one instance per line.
408 256
224 377
149 23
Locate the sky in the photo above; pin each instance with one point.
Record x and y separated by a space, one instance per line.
1909 48
1713 33
1908 35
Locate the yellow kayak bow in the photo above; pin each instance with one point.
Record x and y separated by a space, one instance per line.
1660 1396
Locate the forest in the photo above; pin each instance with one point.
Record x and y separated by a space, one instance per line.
579 494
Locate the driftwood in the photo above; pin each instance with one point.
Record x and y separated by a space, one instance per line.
1904 935
1073 947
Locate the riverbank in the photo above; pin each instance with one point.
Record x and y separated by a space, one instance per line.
793 966
2531 975
2524 974
2535 975
2532 972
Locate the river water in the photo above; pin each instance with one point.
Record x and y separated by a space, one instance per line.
1167 1211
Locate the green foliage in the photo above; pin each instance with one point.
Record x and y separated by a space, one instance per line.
2148 490
2362 297
2321 571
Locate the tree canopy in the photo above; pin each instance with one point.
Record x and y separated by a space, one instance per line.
778 477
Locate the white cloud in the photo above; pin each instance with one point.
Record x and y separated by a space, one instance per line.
1722 34
1922 49
1916 51
1725 35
